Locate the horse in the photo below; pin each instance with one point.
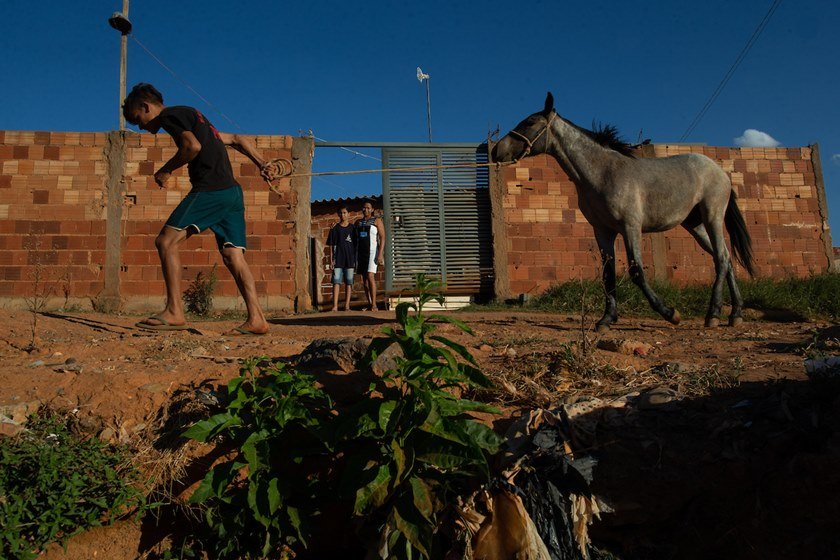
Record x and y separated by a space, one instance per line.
620 194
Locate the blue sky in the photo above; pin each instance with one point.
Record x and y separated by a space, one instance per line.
346 70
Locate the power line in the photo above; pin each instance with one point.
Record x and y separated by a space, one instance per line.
752 40
185 84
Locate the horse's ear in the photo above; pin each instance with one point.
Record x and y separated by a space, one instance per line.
549 103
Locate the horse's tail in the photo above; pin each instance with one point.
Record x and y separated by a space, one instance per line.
738 235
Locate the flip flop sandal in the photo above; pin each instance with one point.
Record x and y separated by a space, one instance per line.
163 326
239 331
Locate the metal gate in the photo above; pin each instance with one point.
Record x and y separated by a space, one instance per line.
438 220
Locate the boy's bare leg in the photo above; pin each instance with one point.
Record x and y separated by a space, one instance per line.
168 244
371 277
336 289
234 259
348 293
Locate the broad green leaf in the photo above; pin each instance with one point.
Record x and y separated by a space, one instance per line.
415 530
374 493
399 461
274 496
453 407
475 376
447 455
216 481
258 502
256 451
205 429
385 411
458 323
422 497
402 312
459 348
295 520
478 434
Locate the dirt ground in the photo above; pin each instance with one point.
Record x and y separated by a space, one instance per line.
728 450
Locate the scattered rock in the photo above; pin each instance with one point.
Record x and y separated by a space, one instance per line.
334 353
19 412
485 348
37 363
154 387
510 353
658 398
8 428
108 435
627 347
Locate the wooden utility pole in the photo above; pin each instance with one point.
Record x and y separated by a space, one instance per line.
123 64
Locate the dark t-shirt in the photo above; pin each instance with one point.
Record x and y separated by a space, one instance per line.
343 240
210 170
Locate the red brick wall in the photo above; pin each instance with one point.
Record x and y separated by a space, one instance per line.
550 241
324 217
52 214
54 193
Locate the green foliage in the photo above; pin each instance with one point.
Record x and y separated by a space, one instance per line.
198 297
399 456
263 499
810 297
414 444
54 484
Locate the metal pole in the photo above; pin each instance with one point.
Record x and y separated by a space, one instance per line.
429 109
123 64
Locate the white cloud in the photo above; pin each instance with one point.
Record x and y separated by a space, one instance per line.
753 138
835 159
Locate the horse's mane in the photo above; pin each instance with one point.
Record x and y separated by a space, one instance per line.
608 135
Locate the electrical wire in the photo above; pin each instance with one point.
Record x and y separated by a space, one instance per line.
185 84
752 40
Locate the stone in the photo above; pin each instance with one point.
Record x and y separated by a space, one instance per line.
334 354
19 412
627 347
657 398
154 388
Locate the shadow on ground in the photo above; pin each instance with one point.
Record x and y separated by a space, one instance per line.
748 472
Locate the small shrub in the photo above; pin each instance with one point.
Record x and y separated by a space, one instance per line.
198 297
54 484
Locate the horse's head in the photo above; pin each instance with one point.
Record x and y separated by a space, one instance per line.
529 137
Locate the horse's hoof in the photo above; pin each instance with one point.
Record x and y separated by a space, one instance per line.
602 328
712 322
675 317
736 321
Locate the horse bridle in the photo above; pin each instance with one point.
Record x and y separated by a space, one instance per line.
531 141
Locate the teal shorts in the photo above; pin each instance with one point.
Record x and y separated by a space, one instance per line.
222 211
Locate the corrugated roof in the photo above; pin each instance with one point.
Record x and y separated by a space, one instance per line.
347 199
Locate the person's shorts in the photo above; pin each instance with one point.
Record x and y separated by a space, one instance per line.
344 275
366 263
222 211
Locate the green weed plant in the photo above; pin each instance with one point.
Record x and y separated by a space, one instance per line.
54 484
394 461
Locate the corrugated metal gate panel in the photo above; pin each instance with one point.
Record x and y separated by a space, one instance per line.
439 219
